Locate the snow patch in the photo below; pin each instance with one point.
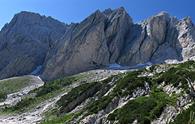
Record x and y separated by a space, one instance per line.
172 61
37 70
116 66
142 65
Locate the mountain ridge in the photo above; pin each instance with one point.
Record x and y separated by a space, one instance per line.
104 70
103 38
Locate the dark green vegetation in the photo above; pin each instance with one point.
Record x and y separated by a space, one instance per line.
55 85
77 96
12 85
3 96
124 86
144 109
22 105
58 120
176 76
49 90
52 118
74 98
187 116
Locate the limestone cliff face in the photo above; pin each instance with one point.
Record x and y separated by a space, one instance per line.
151 41
95 42
25 41
103 38
111 37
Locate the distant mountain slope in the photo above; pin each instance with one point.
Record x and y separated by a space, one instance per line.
25 41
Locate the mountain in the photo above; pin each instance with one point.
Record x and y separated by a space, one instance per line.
104 70
25 41
110 37
32 41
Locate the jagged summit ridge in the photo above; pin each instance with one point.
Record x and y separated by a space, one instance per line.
103 38
112 37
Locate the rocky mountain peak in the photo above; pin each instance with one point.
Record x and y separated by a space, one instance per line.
187 22
27 14
103 38
162 16
24 18
108 11
96 13
108 14
117 13
25 41
33 17
163 13
120 10
30 22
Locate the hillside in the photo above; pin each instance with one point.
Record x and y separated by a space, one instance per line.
156 94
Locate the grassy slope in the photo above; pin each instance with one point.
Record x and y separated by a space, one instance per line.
12 85
49 90
57 116
145 109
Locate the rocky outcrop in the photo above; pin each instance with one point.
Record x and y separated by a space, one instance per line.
116 103
170 112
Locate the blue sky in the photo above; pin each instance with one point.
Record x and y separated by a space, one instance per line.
76 10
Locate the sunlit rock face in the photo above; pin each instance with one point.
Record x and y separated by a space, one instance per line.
112 37
95 42
30 41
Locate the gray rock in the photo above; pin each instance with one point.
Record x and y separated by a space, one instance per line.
166 116
25 41
95 42
104 38
111 37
